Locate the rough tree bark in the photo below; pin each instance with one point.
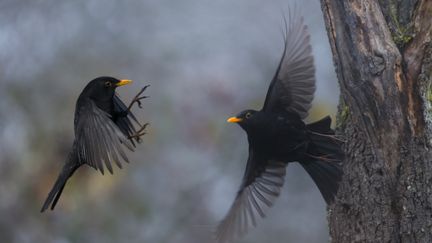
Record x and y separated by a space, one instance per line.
383 56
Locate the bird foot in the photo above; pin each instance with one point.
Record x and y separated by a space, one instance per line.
137 99
332 136
326 158
141 132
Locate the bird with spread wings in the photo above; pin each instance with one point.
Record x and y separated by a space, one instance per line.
277 135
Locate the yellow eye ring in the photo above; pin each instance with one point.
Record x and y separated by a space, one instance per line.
108 84
248 115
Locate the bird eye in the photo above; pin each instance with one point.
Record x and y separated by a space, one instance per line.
248 115
108 84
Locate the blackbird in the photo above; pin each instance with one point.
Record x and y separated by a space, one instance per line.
102 124
277 135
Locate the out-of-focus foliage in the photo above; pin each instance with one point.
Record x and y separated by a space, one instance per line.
205 60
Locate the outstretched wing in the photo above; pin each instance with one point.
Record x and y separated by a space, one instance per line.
261 185
293 85
98 139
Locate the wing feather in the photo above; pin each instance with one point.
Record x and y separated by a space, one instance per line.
261 186
99 139
293 86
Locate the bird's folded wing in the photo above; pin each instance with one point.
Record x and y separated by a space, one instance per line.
98 139
262 183
293 85
124 122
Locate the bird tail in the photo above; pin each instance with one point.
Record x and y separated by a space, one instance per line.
323 158
54 195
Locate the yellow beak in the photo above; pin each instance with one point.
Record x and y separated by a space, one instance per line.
124 82
234 119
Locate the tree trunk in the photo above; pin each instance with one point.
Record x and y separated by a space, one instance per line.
383 56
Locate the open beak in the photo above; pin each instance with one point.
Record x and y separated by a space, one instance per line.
234 119
123 82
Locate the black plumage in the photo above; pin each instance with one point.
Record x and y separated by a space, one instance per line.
278 135
103 124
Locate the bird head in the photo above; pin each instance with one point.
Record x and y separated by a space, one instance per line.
244 118
103 88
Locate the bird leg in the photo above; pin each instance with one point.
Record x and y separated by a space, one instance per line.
137 99
332 136
141 132
326 158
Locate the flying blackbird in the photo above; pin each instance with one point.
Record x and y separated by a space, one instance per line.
102 123
278 135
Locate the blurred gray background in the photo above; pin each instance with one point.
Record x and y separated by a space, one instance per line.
205 61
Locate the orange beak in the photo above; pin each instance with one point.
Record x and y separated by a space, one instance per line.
234 119
123 82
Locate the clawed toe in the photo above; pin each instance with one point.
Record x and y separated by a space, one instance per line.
137 99
141 132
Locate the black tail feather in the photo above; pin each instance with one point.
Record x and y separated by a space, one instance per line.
57 189
322 125
326 176
323 159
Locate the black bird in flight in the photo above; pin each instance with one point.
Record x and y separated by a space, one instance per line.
278 135
102 124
